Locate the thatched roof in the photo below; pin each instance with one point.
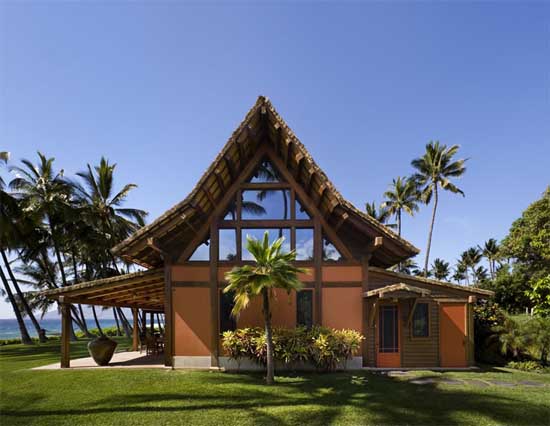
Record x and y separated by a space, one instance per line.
261 126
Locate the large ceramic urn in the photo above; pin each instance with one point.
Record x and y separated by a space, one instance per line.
102 349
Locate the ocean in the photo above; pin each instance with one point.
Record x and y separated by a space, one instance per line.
10 330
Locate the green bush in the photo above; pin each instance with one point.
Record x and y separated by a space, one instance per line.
487 316
533 366
323 347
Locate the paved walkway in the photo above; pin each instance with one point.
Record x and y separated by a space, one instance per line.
480 383
120 360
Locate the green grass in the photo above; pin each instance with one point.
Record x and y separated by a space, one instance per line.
162 397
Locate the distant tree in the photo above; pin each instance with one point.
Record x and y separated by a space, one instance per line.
480 274
470 258
490 251
402 196
433 171
380 214
440 269
460 273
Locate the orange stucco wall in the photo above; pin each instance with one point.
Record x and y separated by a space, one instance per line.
190 273
283 311
342 307
192 335
342 273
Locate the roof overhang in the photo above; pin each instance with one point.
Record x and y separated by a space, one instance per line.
398 291
144 289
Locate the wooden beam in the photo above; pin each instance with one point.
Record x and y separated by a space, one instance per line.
219 179
209 196
230 167
321 194
135 331
65 333
364 307
214 321
411 313
299 159
156 246
168 315
318 262
343 217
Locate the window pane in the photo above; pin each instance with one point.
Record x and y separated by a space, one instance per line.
202 252
265 173
227 321
231 213
266 204
301 213
228 244
421 320
330 253
304 307
259 235
304 244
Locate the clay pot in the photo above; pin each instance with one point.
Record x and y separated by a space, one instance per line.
102 349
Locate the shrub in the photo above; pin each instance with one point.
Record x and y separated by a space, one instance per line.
533 366
323 347
487 316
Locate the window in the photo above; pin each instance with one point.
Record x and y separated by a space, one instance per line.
265 172
231 213
330 253
301 212
304 308
266 204
202 252
227 321
258 234
228 245
421 320
304 244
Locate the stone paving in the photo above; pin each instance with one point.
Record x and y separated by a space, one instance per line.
127 359
419 380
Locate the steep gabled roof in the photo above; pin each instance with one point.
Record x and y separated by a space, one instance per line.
262 126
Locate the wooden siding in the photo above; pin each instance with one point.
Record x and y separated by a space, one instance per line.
419 351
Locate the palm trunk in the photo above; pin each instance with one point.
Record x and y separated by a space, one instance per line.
427 261
118 332
25 338
160 326
97 322
40 332
270 376
84 324
125 323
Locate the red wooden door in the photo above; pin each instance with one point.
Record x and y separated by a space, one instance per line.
388 351
452 335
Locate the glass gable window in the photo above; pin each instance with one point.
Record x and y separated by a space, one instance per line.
227 321
330 253
301 212
265 173
258 234
228 245
304 244
268 204
304 308
231 213
421 320
202 252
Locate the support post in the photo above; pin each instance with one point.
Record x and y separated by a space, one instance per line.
214 321
65 333
168 317
365 323
135 333
152 322
143 322
318 263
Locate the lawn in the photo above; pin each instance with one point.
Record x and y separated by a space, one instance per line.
161 397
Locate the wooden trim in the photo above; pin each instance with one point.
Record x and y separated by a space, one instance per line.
317 259
257 186
364 307
342 284
411 315
176 284
65 333
168 314
269 223
135 330
214 296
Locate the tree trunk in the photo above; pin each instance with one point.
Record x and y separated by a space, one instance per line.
160 325
40 332
427 261
118 332
125 323
84 324
270 376
25 338
97 322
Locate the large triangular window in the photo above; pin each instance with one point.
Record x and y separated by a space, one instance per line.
265 173
330 252
301 212
201 253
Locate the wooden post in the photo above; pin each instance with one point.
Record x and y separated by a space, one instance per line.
318 262
214 323
135 334
365 323
143 322
168 317
152 322
65 333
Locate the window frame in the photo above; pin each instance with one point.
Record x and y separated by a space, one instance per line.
312 295
428 322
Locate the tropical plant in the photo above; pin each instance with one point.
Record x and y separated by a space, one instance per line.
480 274
470 258
433 171
490 252
539 295
380 214
272 269
402 196
440 269
511 337
460 273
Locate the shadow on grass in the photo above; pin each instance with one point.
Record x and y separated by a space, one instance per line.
313 399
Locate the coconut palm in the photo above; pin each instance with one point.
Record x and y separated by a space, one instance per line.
272 269
380 214
490 252
480 274
440 269
461 272
401 197
471 258
408 267
433 171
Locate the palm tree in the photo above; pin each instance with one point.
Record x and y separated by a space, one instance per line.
379 214
402 196
490 251
434 170
272 269
461 272
471 258
408 267
440 269
480 274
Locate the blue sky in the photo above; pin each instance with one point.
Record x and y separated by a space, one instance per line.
159 87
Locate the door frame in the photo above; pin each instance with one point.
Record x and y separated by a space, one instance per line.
389 359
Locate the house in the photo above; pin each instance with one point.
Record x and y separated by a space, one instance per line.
265 179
